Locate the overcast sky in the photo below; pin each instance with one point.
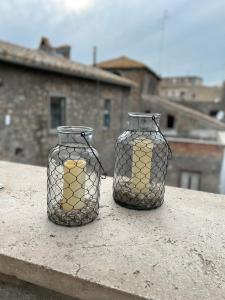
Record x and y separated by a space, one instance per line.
191 43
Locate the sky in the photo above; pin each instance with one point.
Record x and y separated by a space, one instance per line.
173 37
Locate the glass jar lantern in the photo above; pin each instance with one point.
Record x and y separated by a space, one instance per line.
73 178
142 154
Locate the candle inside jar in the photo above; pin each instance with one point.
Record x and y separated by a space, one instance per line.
73 185
141 164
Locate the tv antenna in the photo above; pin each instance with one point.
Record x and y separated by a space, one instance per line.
165 17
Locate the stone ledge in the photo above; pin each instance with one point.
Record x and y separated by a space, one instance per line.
12 289
174 252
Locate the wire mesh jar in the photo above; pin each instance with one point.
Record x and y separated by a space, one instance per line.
142 155
73 178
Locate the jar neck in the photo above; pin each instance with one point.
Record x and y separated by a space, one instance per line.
143 121
73 135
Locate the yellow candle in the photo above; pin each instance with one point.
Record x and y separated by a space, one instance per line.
141 164
74 184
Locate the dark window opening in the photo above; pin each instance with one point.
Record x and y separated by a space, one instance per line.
147 111
18 151
57 111
151 87
117 73
170 121
182 95
213 113
107 113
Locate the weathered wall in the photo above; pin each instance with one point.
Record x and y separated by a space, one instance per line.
186 123
146 83
195 157
204 107
25 95
192 157
197 96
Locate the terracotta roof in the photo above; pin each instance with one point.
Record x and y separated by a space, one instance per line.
124 62
192 112
39 59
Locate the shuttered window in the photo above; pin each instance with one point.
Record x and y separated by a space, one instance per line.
57 112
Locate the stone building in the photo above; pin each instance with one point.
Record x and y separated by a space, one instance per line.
191 92
146 80
197 139
42 89
197 142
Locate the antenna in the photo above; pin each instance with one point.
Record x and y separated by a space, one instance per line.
94 56
165 17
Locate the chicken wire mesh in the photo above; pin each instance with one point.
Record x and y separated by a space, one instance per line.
73 182
142 155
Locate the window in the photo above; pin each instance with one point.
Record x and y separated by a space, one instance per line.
18 151
151 87
170 121
117 73
148 111
182 94
107 112
190 180
213 113
57 111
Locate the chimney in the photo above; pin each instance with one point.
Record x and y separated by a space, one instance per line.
63 51
45 44
94 56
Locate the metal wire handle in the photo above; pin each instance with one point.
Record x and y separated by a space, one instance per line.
169 149
101 166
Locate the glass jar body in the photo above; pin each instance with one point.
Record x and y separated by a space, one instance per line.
73 180
140 166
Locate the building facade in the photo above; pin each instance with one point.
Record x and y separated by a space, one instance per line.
146 80
40 91
197 142
191 92
187 109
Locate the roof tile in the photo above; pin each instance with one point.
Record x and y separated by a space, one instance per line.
39 59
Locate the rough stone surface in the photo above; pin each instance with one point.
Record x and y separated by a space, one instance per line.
25 96
174 252
146 83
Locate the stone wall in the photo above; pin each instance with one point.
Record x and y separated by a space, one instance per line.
187 124
204 107
190 156
202 98
145 82
25 96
